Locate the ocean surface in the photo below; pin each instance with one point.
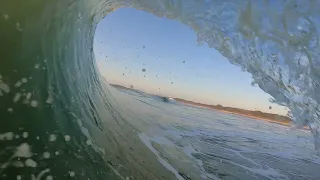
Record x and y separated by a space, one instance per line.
198 143
59 119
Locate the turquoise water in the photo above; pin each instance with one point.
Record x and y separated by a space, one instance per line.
60 120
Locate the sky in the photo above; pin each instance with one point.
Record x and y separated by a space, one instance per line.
162 56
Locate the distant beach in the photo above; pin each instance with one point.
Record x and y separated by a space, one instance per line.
256 115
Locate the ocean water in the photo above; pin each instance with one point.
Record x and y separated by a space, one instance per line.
60 120
198 143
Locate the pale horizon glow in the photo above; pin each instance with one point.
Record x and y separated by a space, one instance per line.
128 41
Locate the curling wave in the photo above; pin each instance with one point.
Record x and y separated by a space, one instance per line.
53 101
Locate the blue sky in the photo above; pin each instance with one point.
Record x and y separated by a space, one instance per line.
128 40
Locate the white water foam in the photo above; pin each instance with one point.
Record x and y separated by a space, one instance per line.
146 140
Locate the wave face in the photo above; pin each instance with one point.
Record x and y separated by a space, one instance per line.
53 102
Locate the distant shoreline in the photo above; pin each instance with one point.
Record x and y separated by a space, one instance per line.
273 118
257 115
